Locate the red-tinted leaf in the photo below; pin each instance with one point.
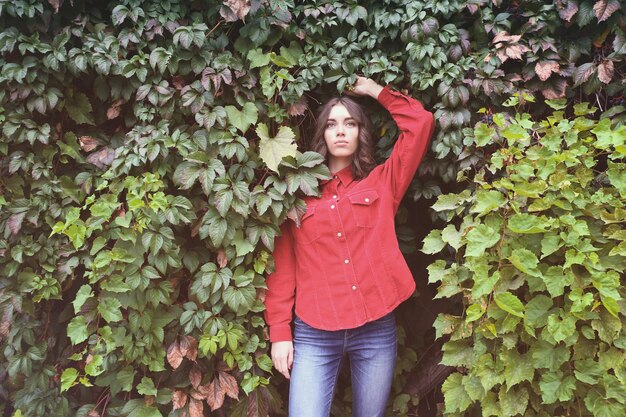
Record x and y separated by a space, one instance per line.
179 399
556 89
192 352
196 408
582 73
222 259
15 222
545 68
229 385
114 110
88 144
257 406
55 5
174 355
102 158
567 9
195 377
605 8
605 71
238 8
93 413
215 399
299 107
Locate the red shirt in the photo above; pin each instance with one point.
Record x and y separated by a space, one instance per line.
343 267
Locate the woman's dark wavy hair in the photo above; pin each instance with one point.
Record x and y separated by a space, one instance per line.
363 160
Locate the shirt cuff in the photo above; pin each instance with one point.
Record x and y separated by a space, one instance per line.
280 333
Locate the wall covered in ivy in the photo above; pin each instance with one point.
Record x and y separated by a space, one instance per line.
150 149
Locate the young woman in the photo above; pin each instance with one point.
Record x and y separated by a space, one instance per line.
341 266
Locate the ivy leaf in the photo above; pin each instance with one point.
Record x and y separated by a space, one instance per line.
510 303
433 242
244 118
487 201
186 174
525 261
109 309
79 108
68 377
146 387
527 223
257 58
273 150
479 239
555 387
77 330
82 295
605 8
456 398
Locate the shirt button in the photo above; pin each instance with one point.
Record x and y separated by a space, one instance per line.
335 177
345 261
332 207
338 234
367 200
354 287
334 196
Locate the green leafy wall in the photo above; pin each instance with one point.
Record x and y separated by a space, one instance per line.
141 189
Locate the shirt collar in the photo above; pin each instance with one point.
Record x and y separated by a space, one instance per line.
343 175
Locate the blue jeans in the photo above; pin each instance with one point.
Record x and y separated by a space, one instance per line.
318 355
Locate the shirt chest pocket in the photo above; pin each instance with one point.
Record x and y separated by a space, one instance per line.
309 230
365 207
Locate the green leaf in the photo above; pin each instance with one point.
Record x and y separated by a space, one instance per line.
556 279
244 118
273 150
433 242
79 108
527 223
561 328
481 238
455 397
82 295
510 303
68 377
257 58
125 377
186 174
77 330
487 201
525 261
109 309
146 387
517 368
555 387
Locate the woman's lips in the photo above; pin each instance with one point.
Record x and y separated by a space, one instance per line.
341 143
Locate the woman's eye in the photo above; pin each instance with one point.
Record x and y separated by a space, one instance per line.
351 124
330 125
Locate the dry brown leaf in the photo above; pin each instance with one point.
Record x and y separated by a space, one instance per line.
88 144
555 90
195 377
215 399
605 8
178 82
114 110
257 407
260 294
605 71
192 352
545 68
505 37
222 259
567 9
196 408
174 355
14 223
179 399
239 8
102 158
299 107
93 413
229 385
55 5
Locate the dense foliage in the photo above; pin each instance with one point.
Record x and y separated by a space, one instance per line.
539 259
142 184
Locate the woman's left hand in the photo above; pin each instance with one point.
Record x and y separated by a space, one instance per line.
366 87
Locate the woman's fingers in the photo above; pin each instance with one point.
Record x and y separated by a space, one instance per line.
282 357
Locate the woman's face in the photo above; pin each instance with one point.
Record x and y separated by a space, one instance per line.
341 133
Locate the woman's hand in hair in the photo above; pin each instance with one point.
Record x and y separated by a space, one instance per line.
282 357
366 87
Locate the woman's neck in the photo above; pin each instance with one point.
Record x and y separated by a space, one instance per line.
337 164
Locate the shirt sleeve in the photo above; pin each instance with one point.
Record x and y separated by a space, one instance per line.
281 286
416 127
